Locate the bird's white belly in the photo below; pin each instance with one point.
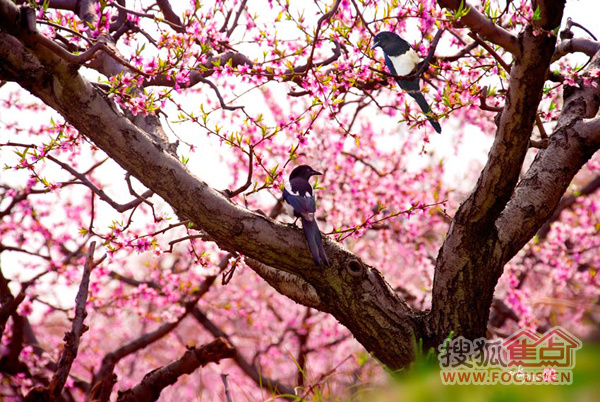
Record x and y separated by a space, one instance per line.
405 63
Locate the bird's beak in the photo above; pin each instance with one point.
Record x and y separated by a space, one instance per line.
375 44
315 173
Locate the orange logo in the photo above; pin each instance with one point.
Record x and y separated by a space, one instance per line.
556 348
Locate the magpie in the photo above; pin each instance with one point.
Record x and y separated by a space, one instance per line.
300 197
401 59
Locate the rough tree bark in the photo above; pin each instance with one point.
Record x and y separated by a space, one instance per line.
496 220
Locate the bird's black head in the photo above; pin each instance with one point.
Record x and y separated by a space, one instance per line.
391 43
304 172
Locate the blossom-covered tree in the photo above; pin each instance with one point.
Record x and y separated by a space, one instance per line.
145 145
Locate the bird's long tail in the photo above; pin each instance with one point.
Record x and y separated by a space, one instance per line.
418 96
315 244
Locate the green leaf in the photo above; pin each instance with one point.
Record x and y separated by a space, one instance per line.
537 14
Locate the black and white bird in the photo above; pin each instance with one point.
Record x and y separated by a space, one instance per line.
300 197
401 59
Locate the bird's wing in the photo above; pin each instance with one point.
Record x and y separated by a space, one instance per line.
299 196
402 64
396 64
389 64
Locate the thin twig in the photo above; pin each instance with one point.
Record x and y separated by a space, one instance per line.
248 182
237 17
491 51
367 164
365 23
85 56
461 53
483 102
103 196
226 384
52 24
176 27
190 237
325 17
218 93
540 127
144 197
322 377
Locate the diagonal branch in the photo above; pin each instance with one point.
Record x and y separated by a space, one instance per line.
491 51
104 378
243 187
170 16
157 380
425 63
218 93
103 196
575 45
483 26
495 185
78 328
567 202
574 141
237 17
324 18
248 368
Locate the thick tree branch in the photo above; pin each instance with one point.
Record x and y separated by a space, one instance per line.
473 236
170 16
550 14
502 170
575 45
483 26
567 202
571 145
157 380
